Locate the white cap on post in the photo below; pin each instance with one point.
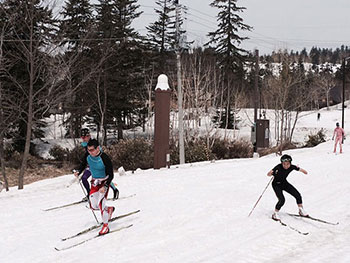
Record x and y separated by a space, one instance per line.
162 82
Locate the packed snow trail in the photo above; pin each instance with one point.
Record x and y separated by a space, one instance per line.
190 213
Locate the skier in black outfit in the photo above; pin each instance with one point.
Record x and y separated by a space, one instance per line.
280 184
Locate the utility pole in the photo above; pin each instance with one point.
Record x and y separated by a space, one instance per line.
256 97
256 77
179 88
343 97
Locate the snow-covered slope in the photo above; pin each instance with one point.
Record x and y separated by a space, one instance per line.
191 213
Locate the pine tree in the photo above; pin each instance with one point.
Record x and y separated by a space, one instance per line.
226 38
30 35
121 75
76 23
76 30
161 33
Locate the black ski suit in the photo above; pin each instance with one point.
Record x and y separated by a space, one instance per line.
280 184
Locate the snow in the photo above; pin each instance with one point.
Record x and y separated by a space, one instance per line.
193 212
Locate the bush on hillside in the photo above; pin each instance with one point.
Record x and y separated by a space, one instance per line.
315 139
131 154
224 149
195 151
65 155
59 153
15 161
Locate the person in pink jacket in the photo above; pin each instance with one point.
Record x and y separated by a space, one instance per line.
339 136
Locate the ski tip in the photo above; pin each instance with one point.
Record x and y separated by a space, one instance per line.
57 249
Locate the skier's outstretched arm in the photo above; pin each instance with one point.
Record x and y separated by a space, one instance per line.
303 171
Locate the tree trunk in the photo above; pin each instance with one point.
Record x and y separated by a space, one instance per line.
2 159
30 108
281 136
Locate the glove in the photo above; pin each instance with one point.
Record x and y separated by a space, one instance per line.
332 138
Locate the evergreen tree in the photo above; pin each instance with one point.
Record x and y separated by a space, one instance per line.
30 35
227 40
76 23
121 76
315 56
161 33
76 30
226 37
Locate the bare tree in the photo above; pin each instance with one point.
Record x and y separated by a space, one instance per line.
287 93
325 82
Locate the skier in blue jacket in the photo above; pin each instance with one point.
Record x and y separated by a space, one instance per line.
85 136
101 169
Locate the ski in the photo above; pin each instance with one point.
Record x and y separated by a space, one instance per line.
316 219
79 202
62 206
96 226
91 238
292 228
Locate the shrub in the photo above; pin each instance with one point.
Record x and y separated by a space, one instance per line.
315 139
196 151
59 153
76 155
16 161
132 154
8 152
240 149
223 149
220 149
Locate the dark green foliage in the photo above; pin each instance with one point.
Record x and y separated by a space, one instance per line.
161 33
73 156
16 160
196 150
236 149
29 30
59 153
131 154
226 38
120 79
315 139
76 154
76 23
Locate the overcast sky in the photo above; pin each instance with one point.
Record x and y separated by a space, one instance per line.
277 24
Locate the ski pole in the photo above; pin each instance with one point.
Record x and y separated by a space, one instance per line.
260 196
82 188
85 194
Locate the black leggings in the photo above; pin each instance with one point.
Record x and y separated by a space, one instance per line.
279 187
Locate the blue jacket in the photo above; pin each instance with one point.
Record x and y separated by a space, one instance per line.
100 166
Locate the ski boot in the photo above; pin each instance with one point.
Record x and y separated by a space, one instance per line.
302 212
110 211
104 230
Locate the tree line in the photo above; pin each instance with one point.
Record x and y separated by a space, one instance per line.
88 64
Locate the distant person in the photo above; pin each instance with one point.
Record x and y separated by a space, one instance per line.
318 116
339 137
85 136
101 169
280 184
